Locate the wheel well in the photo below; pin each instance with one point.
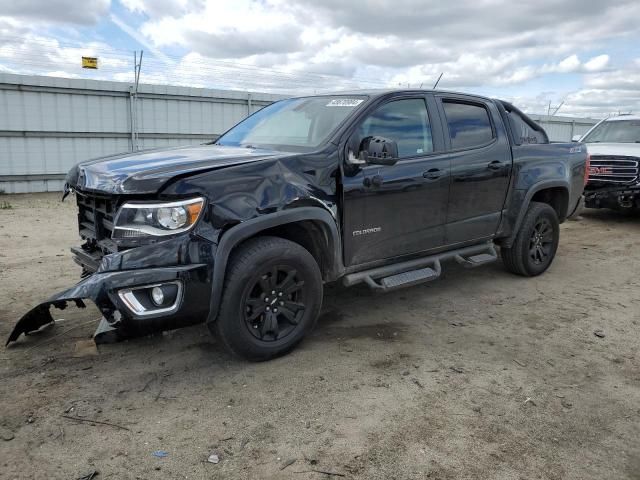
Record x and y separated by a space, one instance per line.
309 234
557 197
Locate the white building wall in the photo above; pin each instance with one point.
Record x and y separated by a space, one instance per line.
49 124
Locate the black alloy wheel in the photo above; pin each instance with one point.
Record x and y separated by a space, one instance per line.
541 242
536 242
274 303
271 298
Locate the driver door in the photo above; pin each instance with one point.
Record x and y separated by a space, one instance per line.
401 209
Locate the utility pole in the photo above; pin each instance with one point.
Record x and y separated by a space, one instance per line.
133 97
557 108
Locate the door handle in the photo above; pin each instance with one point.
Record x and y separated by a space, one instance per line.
374 181
432 173
495 165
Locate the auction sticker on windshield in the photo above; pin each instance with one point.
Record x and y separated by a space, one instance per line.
345 102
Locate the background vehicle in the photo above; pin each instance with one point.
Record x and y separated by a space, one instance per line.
614 173
377 187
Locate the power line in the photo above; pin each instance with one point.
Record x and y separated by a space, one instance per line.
201 70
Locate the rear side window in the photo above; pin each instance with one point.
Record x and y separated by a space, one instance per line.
523 131
469 124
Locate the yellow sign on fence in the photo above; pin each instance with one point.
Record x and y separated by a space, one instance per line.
89 62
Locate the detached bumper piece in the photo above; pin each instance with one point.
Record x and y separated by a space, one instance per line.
615 198
132 302
38 317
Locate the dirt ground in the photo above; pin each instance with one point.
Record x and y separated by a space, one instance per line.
481 375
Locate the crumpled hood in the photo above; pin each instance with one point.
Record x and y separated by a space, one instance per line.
628 149
148 171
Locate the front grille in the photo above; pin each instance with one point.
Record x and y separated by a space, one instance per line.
95 219
613 169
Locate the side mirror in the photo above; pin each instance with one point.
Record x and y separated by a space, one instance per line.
576 138
378 151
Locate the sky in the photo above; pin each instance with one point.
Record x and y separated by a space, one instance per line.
581 56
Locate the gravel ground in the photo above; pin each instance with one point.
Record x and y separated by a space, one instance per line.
479 375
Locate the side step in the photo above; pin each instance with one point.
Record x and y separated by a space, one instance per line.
420 270
405 279
478 259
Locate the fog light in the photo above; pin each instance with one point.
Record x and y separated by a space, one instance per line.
157 295
153 299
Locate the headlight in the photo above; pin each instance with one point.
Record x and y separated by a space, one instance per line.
156 219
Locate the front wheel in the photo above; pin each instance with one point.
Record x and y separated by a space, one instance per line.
536 243
271 299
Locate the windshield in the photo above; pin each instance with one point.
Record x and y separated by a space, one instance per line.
617 131
301 124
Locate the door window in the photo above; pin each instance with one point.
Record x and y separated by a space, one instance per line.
405 121
469 124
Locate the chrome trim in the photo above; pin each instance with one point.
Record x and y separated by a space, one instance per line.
624 169
146 229
177 203
131 302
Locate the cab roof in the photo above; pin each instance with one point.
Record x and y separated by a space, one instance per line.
625 116
378 92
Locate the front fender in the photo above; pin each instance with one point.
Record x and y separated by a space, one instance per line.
249 228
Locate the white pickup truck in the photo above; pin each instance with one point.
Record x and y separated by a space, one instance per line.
614 172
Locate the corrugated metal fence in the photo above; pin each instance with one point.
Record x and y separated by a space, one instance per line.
562 129
49 124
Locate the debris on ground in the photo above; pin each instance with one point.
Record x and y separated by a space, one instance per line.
88 476
85 348
457 369
566 403
529 401
213 458
326 472
287 463
599 333
89 420
6 434
160 453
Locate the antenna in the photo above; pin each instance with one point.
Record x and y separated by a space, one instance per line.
437 81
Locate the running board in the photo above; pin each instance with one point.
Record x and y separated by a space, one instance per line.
420 270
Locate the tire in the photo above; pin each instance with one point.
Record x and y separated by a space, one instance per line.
252 323
536 243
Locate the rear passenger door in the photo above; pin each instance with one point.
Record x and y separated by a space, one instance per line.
481 165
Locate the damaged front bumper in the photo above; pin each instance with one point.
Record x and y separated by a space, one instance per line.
180 271
613 197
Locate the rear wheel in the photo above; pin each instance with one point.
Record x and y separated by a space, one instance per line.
271 299
536 243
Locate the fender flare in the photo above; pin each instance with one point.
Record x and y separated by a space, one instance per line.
238 233
537 187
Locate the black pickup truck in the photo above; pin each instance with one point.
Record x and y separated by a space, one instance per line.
374 187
